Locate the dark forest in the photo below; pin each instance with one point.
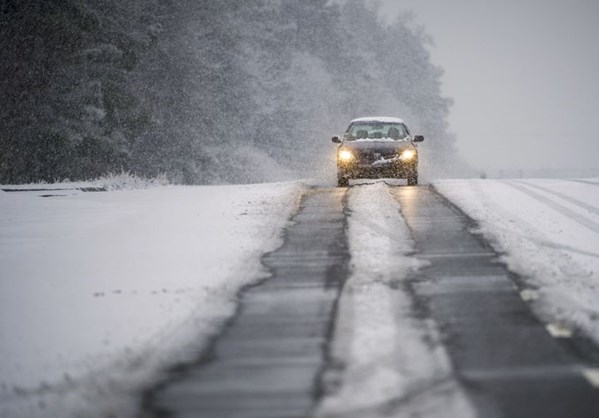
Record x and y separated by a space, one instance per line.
210 91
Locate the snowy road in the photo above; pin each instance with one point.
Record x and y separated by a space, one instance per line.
379 300
294 347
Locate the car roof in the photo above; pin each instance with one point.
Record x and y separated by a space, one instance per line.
384 119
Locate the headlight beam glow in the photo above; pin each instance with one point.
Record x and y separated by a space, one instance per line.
407 155
345 155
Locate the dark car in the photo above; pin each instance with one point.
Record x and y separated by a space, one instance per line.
377 147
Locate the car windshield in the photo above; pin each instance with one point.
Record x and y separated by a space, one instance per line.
376 131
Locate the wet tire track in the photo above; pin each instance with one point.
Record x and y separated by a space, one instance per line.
507 362
268 362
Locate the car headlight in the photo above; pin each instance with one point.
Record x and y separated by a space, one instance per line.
345 155
407 155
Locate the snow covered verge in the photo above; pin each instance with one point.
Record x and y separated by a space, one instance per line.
101 291
388 362
548 233
115 181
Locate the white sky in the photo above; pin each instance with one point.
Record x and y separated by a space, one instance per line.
524 76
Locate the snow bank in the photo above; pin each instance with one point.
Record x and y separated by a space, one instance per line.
115 181
389 362
100 291
548 232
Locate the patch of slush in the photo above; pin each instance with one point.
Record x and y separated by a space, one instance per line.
386 361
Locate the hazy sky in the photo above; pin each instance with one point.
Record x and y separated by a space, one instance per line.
524 76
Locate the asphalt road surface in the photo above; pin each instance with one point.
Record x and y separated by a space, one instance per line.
268 361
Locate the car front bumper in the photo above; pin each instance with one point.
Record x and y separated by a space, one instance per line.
394 169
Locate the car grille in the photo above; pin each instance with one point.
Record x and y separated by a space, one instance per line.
372 156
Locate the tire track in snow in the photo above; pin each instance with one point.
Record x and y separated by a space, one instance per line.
563 196
581 220
528 232
583 181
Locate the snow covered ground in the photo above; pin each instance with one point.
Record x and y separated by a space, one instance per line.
99 291
392 364
548 232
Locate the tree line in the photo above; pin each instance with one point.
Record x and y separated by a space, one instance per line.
203 91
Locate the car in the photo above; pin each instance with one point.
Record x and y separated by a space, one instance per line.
377 147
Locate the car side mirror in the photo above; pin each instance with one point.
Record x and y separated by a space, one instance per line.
418 138
336 139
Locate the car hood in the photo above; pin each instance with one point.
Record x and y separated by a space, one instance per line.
377 146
